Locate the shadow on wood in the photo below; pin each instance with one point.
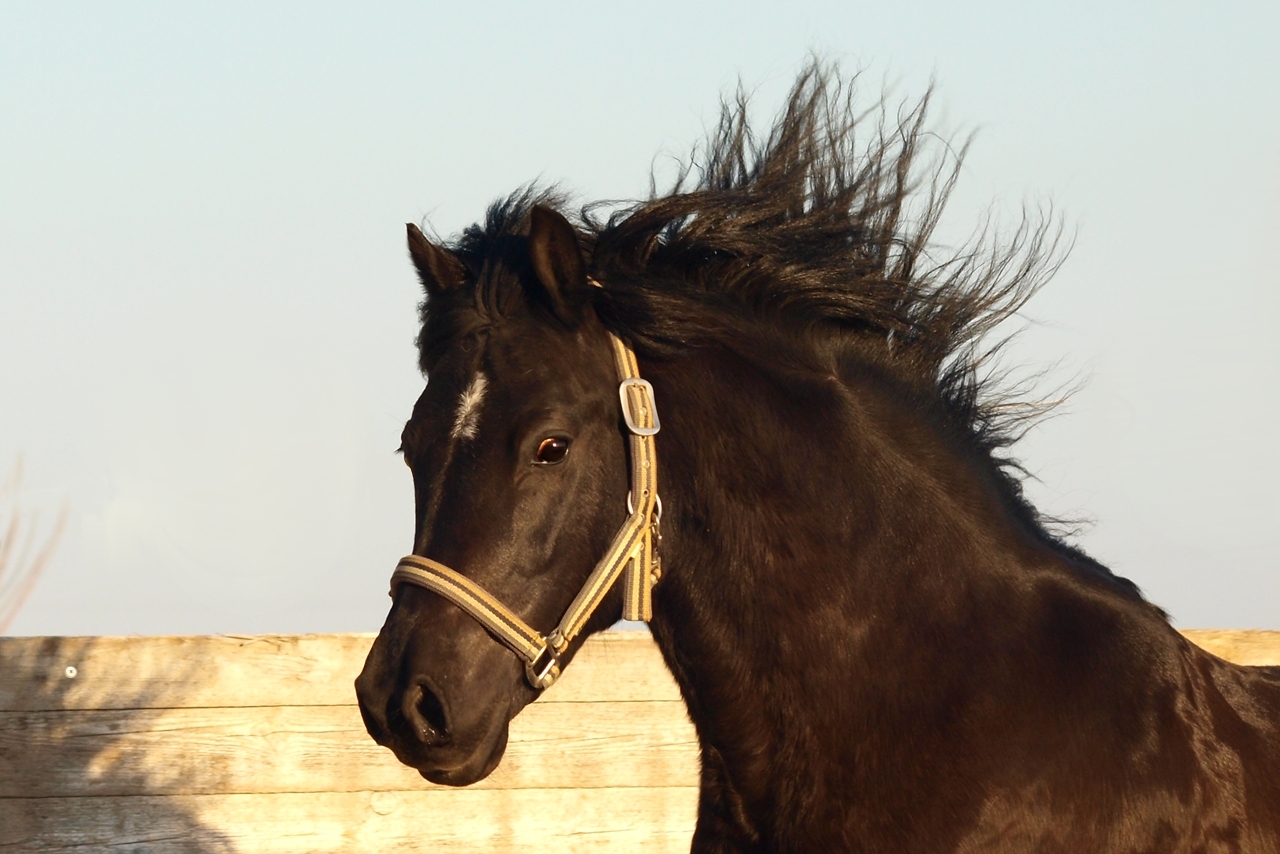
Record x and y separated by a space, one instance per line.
255 744
63 715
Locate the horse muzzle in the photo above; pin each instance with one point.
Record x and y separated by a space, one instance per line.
451 739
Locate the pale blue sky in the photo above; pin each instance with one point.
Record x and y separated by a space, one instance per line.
207 315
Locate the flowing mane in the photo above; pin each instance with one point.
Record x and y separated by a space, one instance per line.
816 237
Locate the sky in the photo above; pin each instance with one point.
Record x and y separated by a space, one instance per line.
207 312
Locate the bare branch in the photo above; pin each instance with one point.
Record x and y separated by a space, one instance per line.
24 552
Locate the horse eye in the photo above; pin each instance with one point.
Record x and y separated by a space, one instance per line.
551 451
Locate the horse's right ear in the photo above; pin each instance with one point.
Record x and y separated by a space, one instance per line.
558 263
438 268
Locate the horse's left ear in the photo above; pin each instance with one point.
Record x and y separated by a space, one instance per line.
557 260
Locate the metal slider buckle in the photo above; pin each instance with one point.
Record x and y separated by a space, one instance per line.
657 513
630 417
544 670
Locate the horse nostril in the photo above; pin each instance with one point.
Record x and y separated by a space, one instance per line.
423 709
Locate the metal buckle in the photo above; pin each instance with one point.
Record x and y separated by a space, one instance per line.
544 670
657 514
648 401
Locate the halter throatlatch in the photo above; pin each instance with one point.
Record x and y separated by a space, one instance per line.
633 554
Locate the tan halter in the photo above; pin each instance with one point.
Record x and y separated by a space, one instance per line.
634 550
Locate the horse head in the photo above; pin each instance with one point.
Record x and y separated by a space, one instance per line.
519 463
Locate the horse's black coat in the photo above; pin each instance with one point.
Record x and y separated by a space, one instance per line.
881 645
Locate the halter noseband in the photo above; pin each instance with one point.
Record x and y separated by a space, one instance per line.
633 551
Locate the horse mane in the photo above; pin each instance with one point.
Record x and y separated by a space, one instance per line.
818 232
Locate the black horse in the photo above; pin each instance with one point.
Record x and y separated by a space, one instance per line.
882 645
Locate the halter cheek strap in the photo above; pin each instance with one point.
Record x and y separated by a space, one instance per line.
633 554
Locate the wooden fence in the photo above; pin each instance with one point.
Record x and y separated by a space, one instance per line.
254 744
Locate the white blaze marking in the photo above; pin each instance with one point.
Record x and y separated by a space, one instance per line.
464 426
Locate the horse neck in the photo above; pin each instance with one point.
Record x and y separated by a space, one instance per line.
809 511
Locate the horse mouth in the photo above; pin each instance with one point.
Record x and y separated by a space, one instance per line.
451 766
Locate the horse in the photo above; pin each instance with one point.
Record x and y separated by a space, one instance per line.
759 413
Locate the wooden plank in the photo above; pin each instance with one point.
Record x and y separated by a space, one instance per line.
304 670
439 820
269 670
326 749
1243 647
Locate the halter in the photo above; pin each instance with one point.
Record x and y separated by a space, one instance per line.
633 552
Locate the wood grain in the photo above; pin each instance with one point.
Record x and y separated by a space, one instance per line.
269 670
325 749
440 820
1251 647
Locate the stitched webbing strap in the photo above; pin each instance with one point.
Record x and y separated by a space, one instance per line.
474 599
633 550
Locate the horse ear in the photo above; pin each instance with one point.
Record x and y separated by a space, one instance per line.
557 260
438 268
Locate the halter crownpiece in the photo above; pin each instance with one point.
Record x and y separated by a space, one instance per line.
633 554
